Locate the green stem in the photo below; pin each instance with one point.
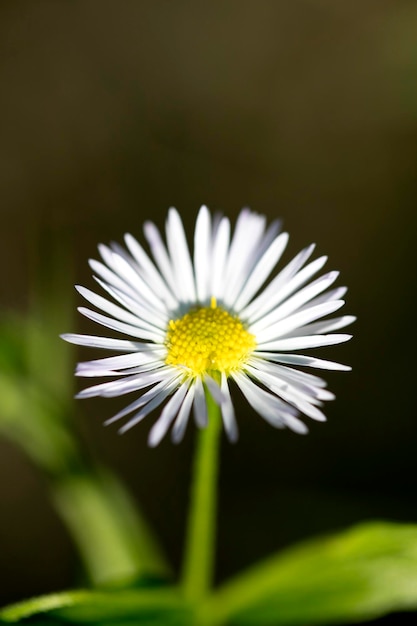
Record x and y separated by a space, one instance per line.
199 556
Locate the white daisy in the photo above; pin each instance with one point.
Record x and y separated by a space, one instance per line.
195 324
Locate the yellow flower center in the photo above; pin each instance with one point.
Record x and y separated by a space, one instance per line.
208 339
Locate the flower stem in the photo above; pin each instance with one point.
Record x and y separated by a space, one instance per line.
200 542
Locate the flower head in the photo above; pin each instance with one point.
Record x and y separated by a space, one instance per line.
196 323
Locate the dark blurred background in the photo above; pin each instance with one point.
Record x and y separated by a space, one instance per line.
110 112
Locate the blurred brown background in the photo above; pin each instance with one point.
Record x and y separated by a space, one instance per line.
110 112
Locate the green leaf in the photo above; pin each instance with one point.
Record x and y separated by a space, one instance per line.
148 606
31 419
116 543
356 575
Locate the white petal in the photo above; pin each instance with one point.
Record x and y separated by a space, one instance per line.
220 252
215 223
271 233
160 254
85 372
180 257
243 251
167 416
111 278
325 326
228 412
283 284
325 394
150 406
307 383
262 270
106 343
255 248
299 343
307 361
292 394
302 381
332 294
214 389
271 408
200 405
111 366
202 254
181 422
149 367
121 290
121 327
129 275
296 320
294 376
305 407
117 312
151 274
164 384
142 310
295 302
270 376
121 361
126 385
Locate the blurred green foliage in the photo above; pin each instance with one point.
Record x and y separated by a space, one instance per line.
113 540
356 575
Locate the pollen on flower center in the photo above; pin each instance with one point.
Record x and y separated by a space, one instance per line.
208 339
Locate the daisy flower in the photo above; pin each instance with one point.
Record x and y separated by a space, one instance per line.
194 323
